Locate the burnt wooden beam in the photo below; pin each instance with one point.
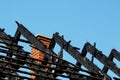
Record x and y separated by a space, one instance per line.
110 57
4 37
77 55
17 34
38 44
13 47
83 54
9 40
102 58
32 39
114 54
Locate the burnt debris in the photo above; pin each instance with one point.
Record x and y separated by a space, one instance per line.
17 63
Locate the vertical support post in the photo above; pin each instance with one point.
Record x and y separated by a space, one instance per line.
93 53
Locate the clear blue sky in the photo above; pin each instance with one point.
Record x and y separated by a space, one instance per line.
78 20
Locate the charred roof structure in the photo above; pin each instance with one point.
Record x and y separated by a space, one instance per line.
16 63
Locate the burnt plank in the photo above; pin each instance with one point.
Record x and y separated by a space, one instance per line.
103 59
116 54
9 40
33 40
77 55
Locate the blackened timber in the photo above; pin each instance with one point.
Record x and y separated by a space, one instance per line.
25 41
17 34
33 40
102 58
110 57
4 37
1 66
77 55
11 44
16 39
41 70
93 53
83 54
114 54
9 40
29 59
14 75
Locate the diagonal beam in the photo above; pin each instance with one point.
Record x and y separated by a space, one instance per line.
33 40
114 54
77 55
102 58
